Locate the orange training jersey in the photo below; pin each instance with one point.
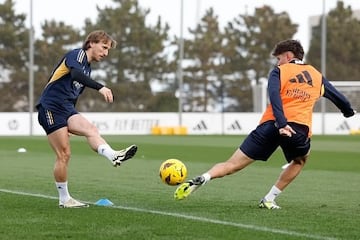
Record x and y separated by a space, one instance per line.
300 87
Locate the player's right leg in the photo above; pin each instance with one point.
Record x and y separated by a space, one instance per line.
268 204
79 125
123 155
296 150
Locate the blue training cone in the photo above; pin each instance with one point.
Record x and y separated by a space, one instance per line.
104 202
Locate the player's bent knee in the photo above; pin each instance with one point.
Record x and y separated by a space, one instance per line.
300 160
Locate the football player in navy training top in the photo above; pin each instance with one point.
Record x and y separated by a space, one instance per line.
59 118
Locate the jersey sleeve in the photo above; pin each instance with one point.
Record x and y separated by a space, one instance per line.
75 59
340 101
274 86
87 81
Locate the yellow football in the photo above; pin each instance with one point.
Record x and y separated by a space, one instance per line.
173 172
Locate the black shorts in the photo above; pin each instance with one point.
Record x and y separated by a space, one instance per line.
265 139
52 120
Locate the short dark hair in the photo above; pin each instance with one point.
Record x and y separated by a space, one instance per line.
293 46
98 36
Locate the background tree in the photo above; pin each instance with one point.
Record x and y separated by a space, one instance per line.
138 59
250 40
202 53
235 85
258 35
222 67
342 45
14 42
342 51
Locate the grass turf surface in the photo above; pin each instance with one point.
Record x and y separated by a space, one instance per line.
322 203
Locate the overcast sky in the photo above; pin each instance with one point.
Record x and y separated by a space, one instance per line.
169 10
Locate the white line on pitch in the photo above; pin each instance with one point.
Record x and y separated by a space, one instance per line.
194 218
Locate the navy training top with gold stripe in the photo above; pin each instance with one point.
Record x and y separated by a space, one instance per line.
61 88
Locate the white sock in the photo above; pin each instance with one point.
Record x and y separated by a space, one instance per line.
273 193
62 188
207 177
106 151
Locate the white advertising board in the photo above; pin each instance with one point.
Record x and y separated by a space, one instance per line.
16 124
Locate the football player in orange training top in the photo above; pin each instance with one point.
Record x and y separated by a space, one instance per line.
293 89
58 116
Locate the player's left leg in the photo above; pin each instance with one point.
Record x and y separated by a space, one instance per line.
259 144
235 163
59 141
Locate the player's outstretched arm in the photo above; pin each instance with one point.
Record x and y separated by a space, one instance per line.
107 93
340 101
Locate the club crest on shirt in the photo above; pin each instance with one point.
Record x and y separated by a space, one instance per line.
77 85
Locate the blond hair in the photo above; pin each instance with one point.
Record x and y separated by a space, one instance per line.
98 36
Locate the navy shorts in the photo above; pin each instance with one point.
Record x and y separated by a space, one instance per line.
265 139
52 120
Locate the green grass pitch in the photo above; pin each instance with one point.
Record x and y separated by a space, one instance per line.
322 203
